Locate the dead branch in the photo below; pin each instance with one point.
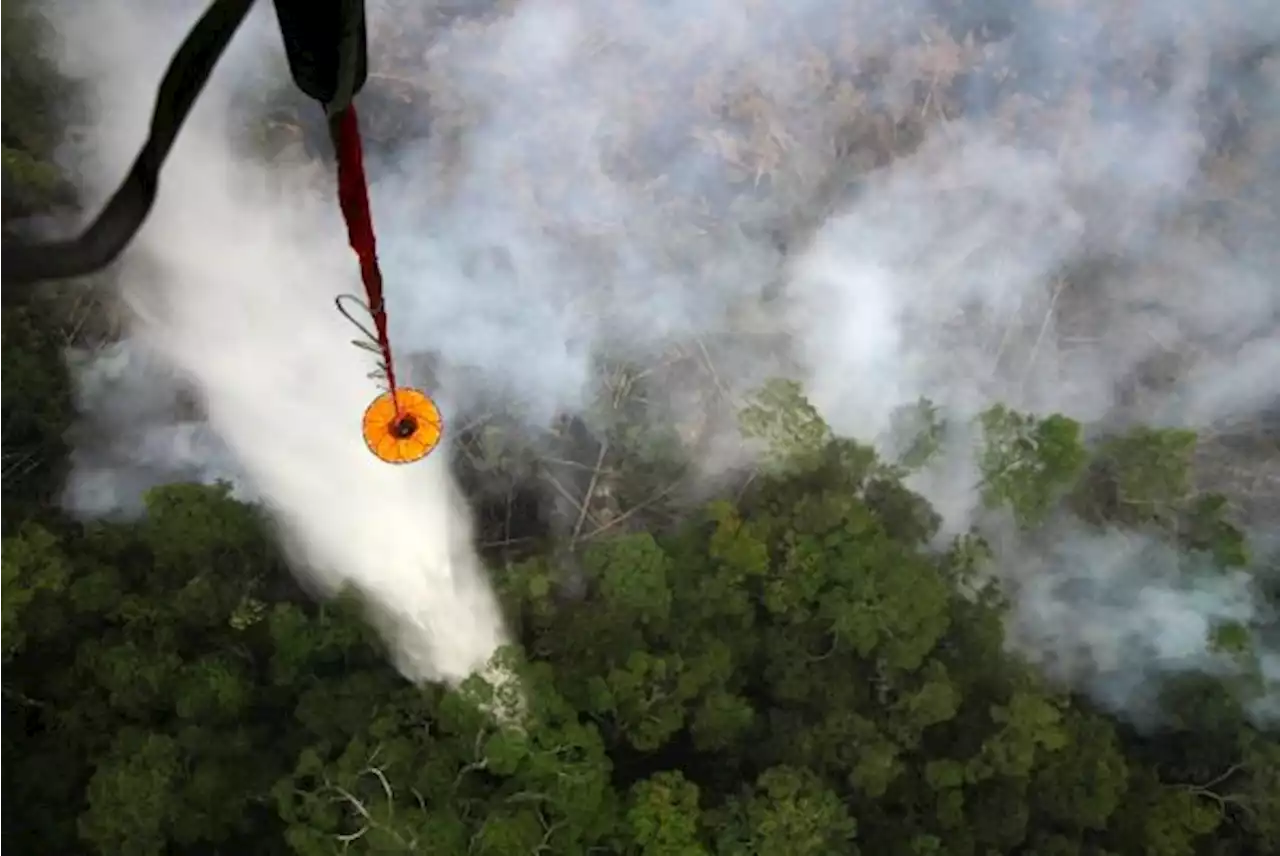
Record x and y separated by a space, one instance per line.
635 509
715 375
478 764
1044 327
564 492
591 489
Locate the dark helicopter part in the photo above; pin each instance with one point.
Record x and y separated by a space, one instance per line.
326 46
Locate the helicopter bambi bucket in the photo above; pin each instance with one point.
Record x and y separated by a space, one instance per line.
402 425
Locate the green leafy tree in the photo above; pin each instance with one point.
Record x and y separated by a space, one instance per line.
919 430
36 575
1027 463
1141 477
36 97
780 415
663 816
36 412
788 811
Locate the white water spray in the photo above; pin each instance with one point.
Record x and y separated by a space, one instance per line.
233 282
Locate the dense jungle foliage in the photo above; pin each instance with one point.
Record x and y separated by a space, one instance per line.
798 668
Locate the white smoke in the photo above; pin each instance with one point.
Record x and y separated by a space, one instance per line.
1147 611
635 162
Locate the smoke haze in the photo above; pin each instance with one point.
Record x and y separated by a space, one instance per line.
1062 206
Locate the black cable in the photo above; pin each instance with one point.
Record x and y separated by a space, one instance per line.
118 223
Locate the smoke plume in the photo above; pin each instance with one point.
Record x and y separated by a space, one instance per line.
1066 207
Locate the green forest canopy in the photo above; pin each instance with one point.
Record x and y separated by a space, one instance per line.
796 672
799 671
